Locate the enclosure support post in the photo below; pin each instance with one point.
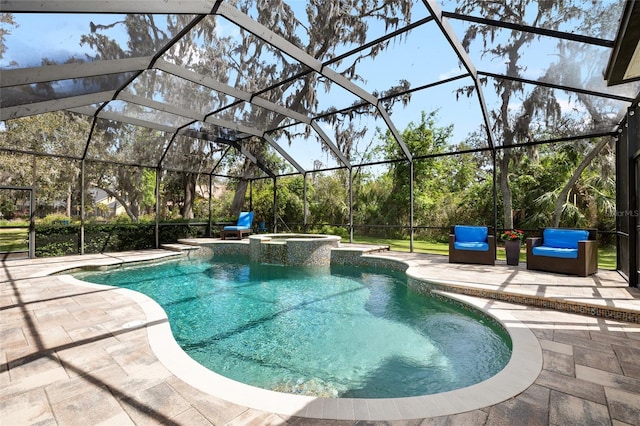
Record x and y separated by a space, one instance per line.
32 216
82 206
210 225
495 195
275 207
157 227
633 133
411 206
32 225
351 205
304 201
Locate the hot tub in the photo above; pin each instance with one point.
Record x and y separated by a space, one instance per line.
293 249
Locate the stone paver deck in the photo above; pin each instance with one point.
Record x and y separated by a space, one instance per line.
72 354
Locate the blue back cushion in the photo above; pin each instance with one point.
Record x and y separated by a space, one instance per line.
563 238
470 234
245 219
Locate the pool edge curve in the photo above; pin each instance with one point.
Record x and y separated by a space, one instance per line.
520 372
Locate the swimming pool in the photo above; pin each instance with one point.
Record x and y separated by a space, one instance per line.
343 331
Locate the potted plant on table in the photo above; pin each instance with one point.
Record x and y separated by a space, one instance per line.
512 239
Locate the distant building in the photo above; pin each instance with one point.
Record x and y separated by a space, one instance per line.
106 206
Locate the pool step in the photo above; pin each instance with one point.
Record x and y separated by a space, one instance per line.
364 248
178 247
583 307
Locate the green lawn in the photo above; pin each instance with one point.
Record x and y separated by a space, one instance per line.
14 239
606 255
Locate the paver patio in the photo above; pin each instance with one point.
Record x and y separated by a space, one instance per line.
73 354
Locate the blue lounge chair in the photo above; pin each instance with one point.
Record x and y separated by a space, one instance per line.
241 228
472 244
566 251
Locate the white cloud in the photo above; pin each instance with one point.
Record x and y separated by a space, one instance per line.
514 106
451 73
232 31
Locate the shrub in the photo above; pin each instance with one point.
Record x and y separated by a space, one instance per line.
56 240
335 230
55 219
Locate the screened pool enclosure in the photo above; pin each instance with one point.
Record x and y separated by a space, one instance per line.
372 118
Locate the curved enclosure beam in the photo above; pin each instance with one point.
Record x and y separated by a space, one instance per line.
48 73
25 110
331 145
111 6
450 35
284 154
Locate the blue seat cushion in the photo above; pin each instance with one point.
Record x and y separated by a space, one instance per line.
470 234
236 228
477 246
562 252
563 238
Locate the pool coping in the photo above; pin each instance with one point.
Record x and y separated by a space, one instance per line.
520 372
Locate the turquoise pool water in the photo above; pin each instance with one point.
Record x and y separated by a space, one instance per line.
342 331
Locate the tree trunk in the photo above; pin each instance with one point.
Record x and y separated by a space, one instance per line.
239 197
131 212
241 190
68 212
134 208
507 131
189 195
562 197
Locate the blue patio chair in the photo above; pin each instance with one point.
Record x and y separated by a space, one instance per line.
472 244
240 229
563 250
